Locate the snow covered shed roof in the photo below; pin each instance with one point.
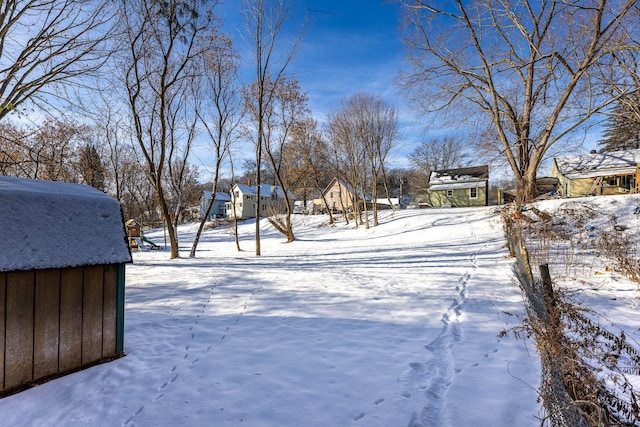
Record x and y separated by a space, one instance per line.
450 178
47 224
598 164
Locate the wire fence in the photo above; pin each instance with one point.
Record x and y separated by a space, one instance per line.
562 410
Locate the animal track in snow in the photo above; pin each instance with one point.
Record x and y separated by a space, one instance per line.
174 376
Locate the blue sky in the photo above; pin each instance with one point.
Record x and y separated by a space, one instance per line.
351 46
348 46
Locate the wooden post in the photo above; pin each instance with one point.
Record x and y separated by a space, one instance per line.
547 287
549 296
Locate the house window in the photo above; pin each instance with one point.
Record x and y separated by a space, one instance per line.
473 193
449 193
331 195
237 193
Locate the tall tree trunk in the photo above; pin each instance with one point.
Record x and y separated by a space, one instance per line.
203 221
173 235
374 196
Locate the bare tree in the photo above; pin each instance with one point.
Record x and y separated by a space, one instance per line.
46 45
137 195
220 110
13 161
311 169
182 132
380 131
287 108
525 68
162 45
365 129
265 23
349 161
48 151
436 154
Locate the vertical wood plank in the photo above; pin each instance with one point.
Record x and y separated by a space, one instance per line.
120 310
3 302
92 314
46 332
19 328
70 319
109 310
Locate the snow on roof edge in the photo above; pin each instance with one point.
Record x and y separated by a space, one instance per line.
48 224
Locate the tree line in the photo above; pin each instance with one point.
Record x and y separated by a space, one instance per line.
125 94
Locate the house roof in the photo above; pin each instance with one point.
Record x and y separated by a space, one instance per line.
347 187
48 224
335 181
220 196
266 190
458 178
598 164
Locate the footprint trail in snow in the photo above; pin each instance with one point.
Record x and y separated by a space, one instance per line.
427 383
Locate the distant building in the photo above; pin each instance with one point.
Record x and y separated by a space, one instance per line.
460 187
340 196
243 200
219 208
615 172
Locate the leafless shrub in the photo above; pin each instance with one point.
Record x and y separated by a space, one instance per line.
620 248
585 366
600 362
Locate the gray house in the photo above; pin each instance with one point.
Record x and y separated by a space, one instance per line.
219 208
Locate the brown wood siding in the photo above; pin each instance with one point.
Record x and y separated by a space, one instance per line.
92 314
70 318
58 320
19 329
110 310
46 332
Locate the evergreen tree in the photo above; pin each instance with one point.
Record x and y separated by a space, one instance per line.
622 131
91 167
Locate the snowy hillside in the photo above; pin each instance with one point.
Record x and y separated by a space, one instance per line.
397 325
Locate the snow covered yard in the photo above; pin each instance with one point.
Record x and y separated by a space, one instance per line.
397 325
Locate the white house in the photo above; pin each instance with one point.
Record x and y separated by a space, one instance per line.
244 199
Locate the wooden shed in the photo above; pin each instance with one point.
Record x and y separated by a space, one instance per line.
62 271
